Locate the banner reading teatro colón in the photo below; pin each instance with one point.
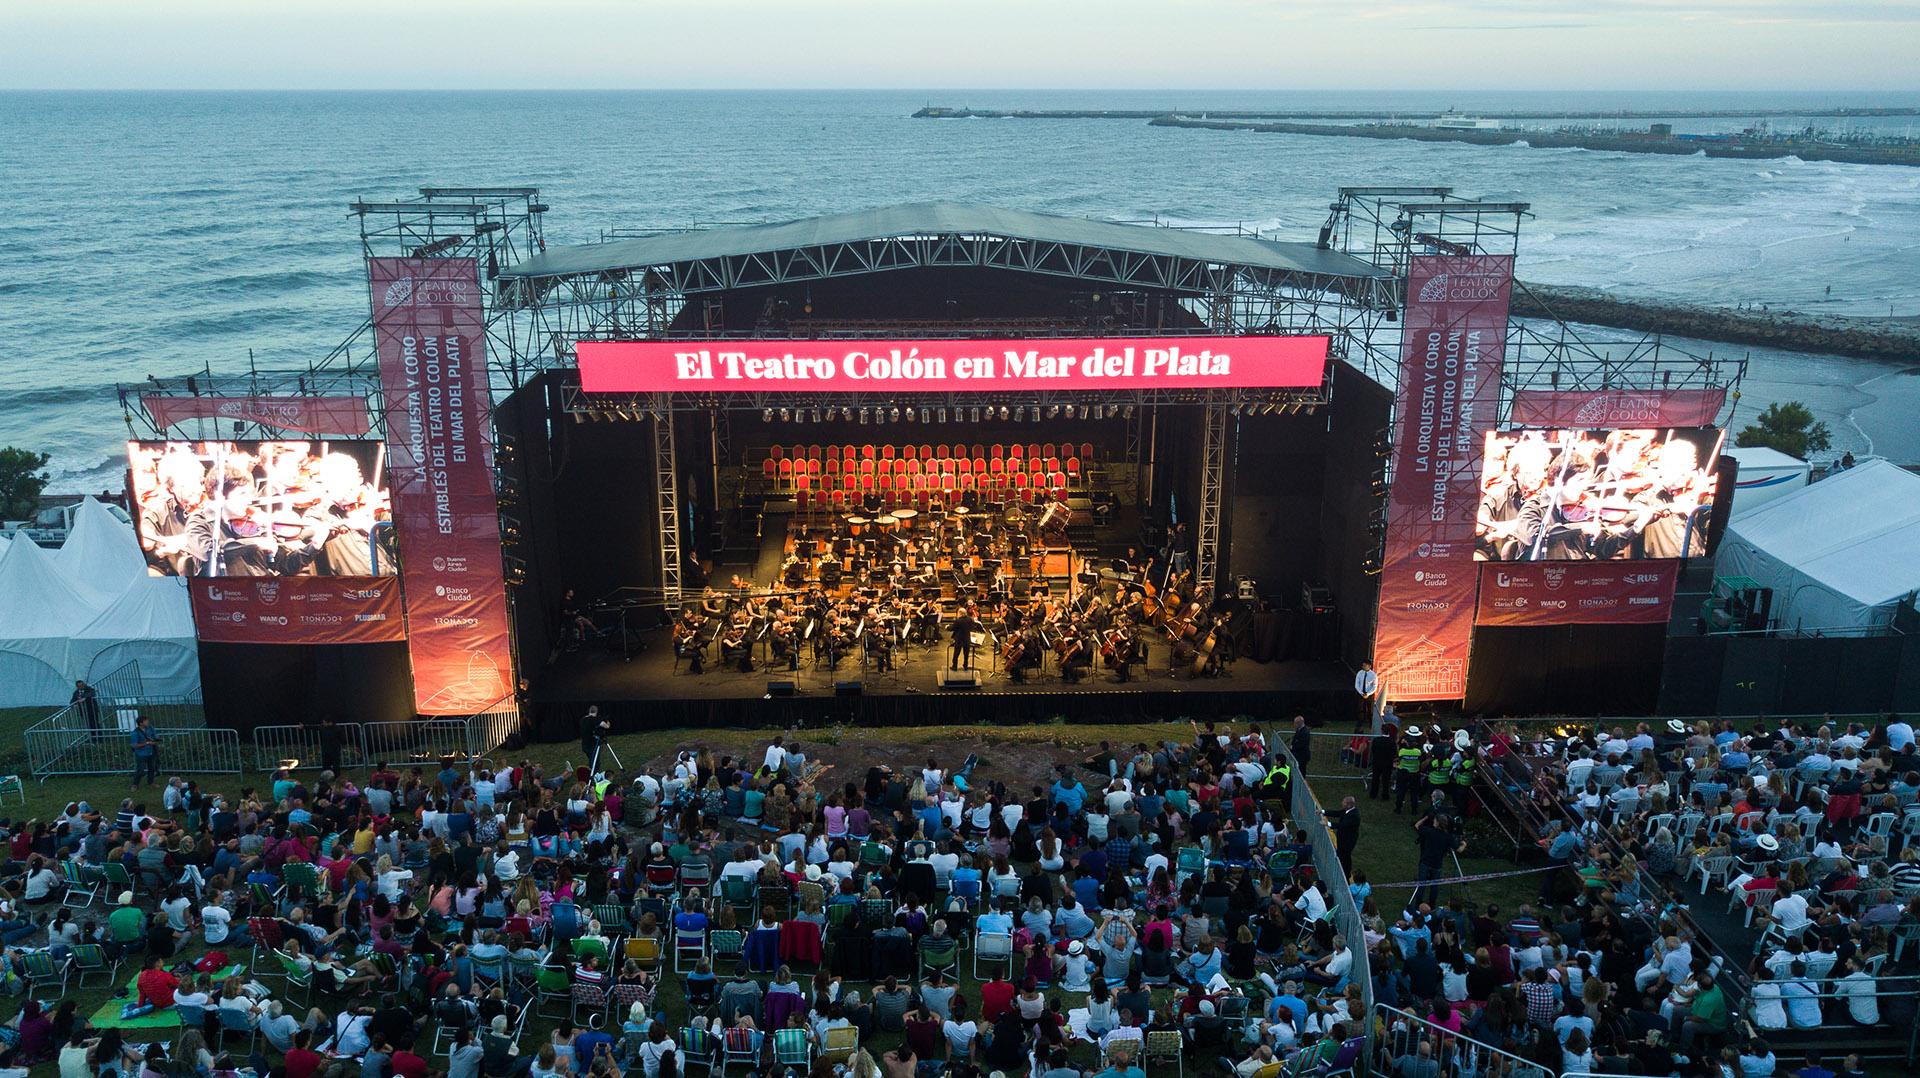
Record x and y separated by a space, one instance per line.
431 337
1451 353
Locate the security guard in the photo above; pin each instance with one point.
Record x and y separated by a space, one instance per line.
1406 771
1463 772
1279 787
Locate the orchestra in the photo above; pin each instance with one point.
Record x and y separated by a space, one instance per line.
870 591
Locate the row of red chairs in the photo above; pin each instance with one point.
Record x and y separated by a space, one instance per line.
930 452
810 500
945 481
788 467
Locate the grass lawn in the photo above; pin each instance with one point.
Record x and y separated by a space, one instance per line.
1385 851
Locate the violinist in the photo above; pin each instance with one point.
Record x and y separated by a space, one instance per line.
338 527
229 536
1667 521
735 646
165 511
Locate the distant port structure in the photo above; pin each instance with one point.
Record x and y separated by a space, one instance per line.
1754 142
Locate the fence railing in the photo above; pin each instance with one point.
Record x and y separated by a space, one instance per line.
1309 817
1400 1034
356 744
67 744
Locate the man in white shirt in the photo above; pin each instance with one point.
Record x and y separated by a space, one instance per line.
1899 734
1312 903
1789 909
775 757
1119 799
1641 740
1769 1011
1155 859
944 861
1365 684
748 867
1857 988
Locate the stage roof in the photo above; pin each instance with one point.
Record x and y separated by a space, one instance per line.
930 219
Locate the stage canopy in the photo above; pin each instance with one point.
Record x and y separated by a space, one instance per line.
1839 554
934 220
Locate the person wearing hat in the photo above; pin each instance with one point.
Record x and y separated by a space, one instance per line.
1206 1031
127 925
1466 761
1407 761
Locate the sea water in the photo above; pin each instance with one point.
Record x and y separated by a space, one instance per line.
157 233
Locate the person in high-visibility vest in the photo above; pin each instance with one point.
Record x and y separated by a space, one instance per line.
1463 773
1279 785
1406 773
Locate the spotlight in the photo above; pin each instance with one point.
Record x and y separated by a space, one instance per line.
786 415
1069 411
895 415
976 414
1129 411
1053 411
943 415
909 415
1035 416
1099 411
1020 414
846 414
1003 411
865 415
816 415
766 415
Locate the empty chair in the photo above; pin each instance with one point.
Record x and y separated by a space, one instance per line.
886 452
776 452
769 468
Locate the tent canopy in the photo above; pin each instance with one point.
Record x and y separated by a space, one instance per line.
1840 553
101 554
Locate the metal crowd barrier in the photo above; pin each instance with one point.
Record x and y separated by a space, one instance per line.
300 748
1457 1054
56 747
1309 817
365 744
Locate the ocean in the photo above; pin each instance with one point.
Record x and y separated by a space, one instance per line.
157 233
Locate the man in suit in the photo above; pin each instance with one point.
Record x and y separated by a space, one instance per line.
960 651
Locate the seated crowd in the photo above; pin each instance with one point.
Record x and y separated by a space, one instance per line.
1151 902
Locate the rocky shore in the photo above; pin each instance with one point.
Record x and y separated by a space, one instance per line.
1866 338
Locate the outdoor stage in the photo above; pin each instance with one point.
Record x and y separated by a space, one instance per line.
651 690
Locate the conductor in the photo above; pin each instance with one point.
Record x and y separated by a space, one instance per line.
593 731
960 652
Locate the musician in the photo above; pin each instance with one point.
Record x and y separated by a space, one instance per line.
1023 653
1668 523
961 630
714 604
880 642
575 626
165 511
1524 477
1124 650
1076 657
338 527
228 528
1126 564
686 639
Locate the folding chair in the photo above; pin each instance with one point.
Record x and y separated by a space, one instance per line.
550 984
697 1048
626 995
1162 1046
792 1048
992 947
688 949
842 1042
235 1020
40 968
726 946
942 955
736 1046
266 936
11 784
77 885
612 917
91 958
642 949
594 998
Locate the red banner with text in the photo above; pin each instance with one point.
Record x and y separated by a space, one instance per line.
344 416
297 610
943 366
431 338
1576 593
1452 348
1611 409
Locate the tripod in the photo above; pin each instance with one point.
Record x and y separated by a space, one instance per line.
600 746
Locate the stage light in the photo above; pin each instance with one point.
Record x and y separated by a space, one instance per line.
1312 408
816 415
865 414
1099 411
943 415
895 415
1036 414
976 414
766 415
1020 414
786 415
1069 411
1053 412
1129 411
1003 411
578 418
846 414
909 415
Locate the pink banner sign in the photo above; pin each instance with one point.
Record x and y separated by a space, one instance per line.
345 416
431 338
1609 409
938 366
1452 348
297 610
1576 593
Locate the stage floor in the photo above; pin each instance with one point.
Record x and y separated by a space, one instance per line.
652 690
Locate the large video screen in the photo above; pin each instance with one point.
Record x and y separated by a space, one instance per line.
263 509
1596 495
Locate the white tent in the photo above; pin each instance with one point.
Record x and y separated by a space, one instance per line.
1838 554
40 611
101 553
151 623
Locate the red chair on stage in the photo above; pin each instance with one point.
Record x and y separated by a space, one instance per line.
776 452
979 450
866 466
866 484
997 466
1073 468
979 464
926 452
886 452
1053 464
813 452
959 450
1019 480
801 483
839 500
949 482
786 470
866 452
923 498
813 467
1048 450
768 469
998 451
1033 450
963 466
1014 452
850 481
830 467
966 481
1057 481
1086 452
1035 465
848 452
907 452
940 452
919 482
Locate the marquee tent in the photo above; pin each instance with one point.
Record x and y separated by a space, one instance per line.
151 623
40 611
101 553
1839 554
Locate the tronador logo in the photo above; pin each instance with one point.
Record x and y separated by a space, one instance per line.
1435 290
399 292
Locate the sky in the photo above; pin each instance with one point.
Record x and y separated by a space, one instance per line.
986 44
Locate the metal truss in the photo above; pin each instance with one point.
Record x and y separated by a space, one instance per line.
1213 478
338 382
666 471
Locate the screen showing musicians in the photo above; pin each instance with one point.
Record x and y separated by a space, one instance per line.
263 508
1583 495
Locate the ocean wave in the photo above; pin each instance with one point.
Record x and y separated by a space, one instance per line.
283 280
62 394
80 472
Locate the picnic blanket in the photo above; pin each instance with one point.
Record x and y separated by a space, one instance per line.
108 1016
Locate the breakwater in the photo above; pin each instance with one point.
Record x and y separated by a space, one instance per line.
1747 147
943 112
1866 338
